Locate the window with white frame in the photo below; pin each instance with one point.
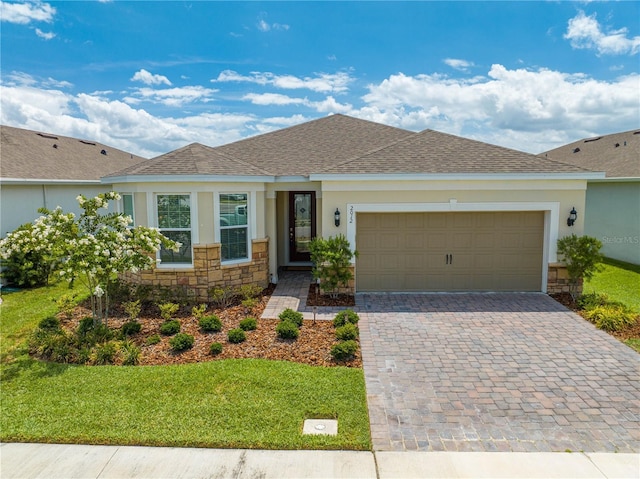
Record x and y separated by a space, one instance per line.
234 226
174 221
127 206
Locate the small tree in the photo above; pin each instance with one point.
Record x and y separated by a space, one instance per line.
582 257
93 248
332 262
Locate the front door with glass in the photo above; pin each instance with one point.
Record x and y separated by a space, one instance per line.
302 224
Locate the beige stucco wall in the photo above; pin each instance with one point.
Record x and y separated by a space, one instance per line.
564 194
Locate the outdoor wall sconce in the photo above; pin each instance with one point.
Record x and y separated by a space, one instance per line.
573 216
336 217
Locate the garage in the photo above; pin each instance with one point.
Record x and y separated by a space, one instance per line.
452 251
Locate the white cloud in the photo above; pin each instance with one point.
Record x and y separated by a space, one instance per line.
45 35
265 26
321 82
507 106
585 32
174 97
27 12
273 99
149 78
457 64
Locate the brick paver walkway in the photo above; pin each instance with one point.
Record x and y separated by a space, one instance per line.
495 372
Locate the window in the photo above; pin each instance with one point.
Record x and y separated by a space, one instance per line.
234 226
127 206
174 221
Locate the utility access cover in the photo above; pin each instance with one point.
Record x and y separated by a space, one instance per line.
327 427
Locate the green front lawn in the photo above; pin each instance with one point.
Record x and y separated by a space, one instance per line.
230 403
618 280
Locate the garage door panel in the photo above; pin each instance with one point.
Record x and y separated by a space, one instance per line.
411 251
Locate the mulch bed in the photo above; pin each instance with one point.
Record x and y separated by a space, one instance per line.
630 332
316 299
312 347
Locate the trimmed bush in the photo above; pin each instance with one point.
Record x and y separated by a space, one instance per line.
248 324
591 300
130 328
611 317
344 317
210 324
344 351
84 326
181 342
153 339
287 330
170 327
292 316
49 324
347 332
215 349
236 336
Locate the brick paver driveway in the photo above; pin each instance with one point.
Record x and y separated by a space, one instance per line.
495 372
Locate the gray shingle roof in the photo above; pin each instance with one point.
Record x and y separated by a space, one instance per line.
432 152
30 155
602 154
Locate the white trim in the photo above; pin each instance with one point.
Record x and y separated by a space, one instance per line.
550 208
456 176
37 181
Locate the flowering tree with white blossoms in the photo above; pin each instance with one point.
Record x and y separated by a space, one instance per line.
93 248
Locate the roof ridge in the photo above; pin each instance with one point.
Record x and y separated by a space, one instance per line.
237 160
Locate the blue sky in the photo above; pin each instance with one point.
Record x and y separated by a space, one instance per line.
150 77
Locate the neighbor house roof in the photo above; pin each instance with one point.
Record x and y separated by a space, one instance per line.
33 156
617 154
343 145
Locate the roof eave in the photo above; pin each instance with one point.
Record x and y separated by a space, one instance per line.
47 181
456 176
188 179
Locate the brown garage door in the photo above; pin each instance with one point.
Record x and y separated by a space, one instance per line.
499 251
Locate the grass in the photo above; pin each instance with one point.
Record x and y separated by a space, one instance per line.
228 404
618 280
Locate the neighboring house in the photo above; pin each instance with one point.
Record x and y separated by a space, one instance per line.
47 170
426 211
612 212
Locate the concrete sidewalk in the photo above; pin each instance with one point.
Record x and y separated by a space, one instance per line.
52 461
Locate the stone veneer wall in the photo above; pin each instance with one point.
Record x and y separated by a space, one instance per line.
558 279
208 271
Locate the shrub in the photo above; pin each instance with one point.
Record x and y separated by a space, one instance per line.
50 323
223 297
28 268
611 317
170 327
249 303
331 259
347 332
215 349
344 351
292 316
167 310
210 324
582 256
106 353
287 330
181 342
153 339
84 326
344 317
131 353
198 311
130 328
237 335
83 355
133 308
249 291
99 334
248 324
591 300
